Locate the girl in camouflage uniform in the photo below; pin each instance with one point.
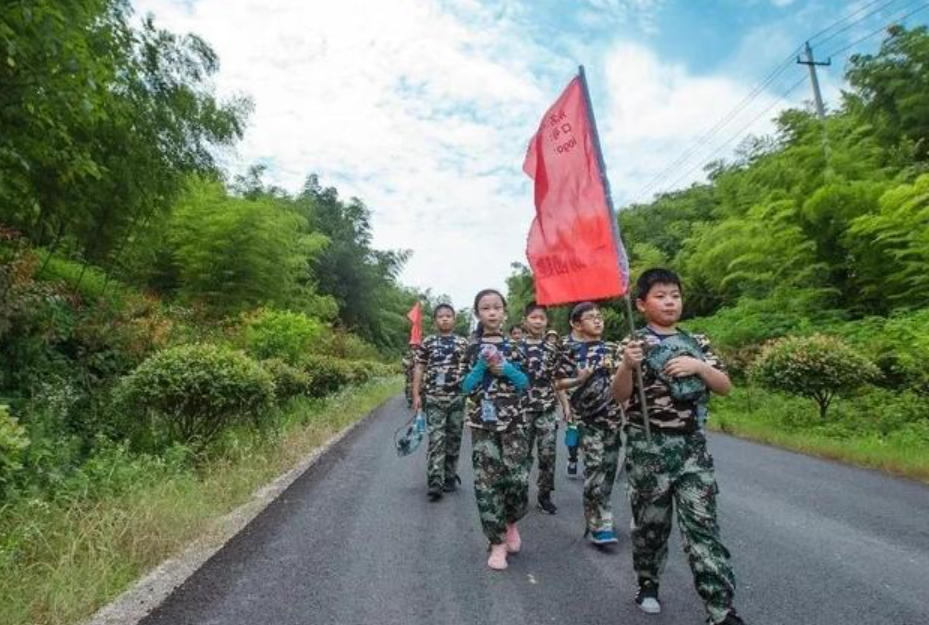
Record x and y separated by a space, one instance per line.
675 469
437 373
495 384
587 367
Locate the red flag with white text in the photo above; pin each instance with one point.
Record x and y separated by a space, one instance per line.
416 323
573 246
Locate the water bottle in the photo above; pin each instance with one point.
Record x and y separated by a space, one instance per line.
572 437
420 422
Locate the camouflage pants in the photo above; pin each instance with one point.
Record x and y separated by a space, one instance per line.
444 424
542 433
501 480
676 471
601 458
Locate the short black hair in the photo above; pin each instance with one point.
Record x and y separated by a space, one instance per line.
656 275
515 326
578 311
533 306
448 307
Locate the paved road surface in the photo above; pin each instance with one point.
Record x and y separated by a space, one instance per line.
355 541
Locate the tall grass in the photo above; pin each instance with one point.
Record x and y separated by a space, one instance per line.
61 560
879 430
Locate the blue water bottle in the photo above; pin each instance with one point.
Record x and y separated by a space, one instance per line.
572 436
420 422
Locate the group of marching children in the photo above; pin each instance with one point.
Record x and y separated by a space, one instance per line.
508 385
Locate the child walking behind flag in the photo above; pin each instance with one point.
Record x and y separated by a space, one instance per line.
674 470
437 391
495 384
542 359
587 367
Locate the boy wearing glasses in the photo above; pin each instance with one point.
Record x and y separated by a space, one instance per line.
587 367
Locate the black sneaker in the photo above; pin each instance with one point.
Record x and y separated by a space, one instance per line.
732 619
434 493
647 597
451 485
546 505
572 469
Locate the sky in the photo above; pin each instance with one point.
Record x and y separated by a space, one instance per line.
423 108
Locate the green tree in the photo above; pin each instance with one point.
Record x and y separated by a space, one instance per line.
888 89
232 254
818 367
101 122
362 280
891 247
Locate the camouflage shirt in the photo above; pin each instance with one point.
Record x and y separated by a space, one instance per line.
666 412
442 359
507 400
542 361
602 357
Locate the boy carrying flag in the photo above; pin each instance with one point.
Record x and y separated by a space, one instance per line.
675 469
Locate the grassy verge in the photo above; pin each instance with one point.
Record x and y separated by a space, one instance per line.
863 433
61 560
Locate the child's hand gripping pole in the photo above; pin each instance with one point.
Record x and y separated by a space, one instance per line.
640 382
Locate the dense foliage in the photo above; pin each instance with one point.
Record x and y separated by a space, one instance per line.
146 300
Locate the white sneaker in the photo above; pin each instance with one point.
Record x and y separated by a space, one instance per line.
647 597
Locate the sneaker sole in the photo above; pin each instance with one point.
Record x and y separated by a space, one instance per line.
603 542
649 610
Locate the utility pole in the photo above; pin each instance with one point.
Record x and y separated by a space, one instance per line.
812 64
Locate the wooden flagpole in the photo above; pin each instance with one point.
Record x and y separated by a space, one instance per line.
620 251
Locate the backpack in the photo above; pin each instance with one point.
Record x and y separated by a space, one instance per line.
594 397
658 353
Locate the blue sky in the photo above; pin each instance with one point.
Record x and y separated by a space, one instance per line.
422 108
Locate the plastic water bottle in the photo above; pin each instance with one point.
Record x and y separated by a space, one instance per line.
572 437
420 422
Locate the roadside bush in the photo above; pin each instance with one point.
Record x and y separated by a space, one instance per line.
289 381
899 346
340 343
192 392
280 334
13 442
327 374
817 367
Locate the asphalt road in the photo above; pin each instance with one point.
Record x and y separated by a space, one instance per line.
355 541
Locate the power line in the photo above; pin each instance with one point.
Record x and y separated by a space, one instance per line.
851 25
879 30
726 119
738 134
864 7
720 124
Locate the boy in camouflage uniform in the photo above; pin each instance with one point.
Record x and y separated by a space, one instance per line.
495 385
542 360
675 469
586 369
437 391
409 361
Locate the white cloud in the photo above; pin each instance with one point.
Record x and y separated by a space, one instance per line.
423 108
422 111
656 111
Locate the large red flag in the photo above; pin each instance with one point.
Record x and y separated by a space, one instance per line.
416 323
574 247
